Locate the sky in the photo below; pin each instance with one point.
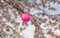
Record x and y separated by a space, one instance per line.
49 12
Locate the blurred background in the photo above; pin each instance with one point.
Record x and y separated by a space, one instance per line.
44 21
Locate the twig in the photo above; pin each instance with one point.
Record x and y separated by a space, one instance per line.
34 19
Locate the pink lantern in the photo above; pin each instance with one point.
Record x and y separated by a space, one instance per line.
25 17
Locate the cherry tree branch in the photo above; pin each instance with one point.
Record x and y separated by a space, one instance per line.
34 19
